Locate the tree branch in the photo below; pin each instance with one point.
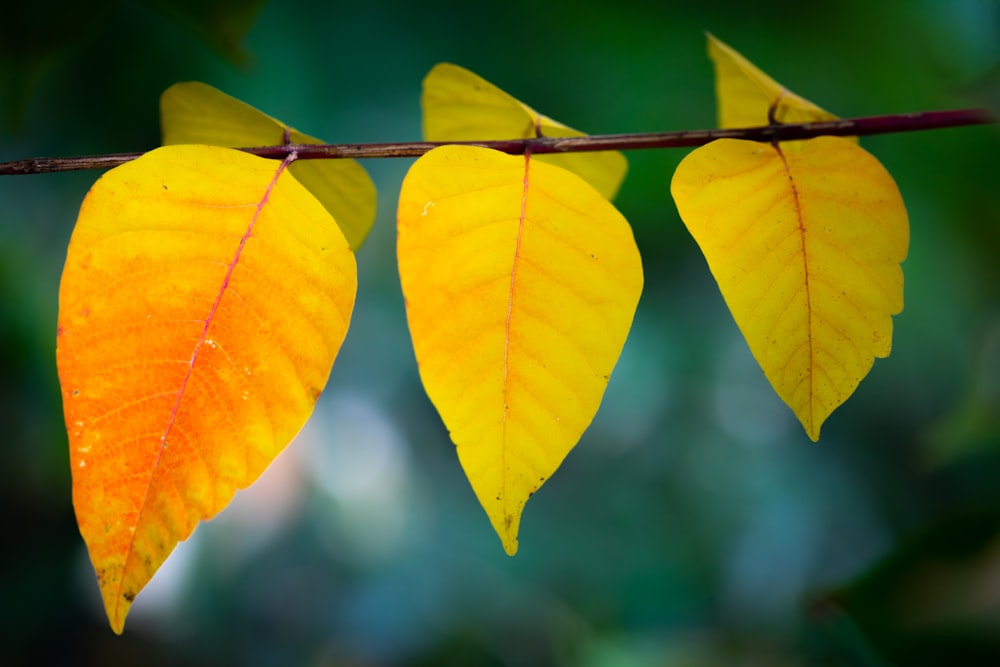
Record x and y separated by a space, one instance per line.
908 122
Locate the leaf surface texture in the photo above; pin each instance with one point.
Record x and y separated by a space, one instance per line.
205 296
806 247
521 282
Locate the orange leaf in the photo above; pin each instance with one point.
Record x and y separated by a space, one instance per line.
459 105
806 247
521 282
196 113
204 298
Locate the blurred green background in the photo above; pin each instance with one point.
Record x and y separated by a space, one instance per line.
695 524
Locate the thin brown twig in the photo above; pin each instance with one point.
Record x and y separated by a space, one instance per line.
907 122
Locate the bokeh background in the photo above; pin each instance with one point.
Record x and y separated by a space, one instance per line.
694 524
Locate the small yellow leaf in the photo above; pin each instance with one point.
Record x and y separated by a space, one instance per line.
196 113
204 298
461 106
521 282
745 95
806 248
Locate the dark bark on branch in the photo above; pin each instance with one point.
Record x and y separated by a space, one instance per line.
908 122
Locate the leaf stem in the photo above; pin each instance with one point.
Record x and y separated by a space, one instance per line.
907 122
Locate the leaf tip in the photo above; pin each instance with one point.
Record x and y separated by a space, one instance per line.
118 612
117 602
117 625
507 529
811 424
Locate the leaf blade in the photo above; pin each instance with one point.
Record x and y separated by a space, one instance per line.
520 282
806 248
187 357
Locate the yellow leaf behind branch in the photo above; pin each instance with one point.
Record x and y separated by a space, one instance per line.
521 282
744 94
196 113
806 248
459 105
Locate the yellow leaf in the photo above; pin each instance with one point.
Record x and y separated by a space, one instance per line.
461 106
196 113
204 298
521 282
806 247
745 95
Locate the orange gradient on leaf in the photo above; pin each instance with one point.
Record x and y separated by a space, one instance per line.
205 296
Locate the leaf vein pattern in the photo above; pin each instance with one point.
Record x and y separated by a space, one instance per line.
805 272
790 263
194 357
510 311
130 404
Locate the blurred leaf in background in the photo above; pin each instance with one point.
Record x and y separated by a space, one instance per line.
935 600
37 38
222 24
